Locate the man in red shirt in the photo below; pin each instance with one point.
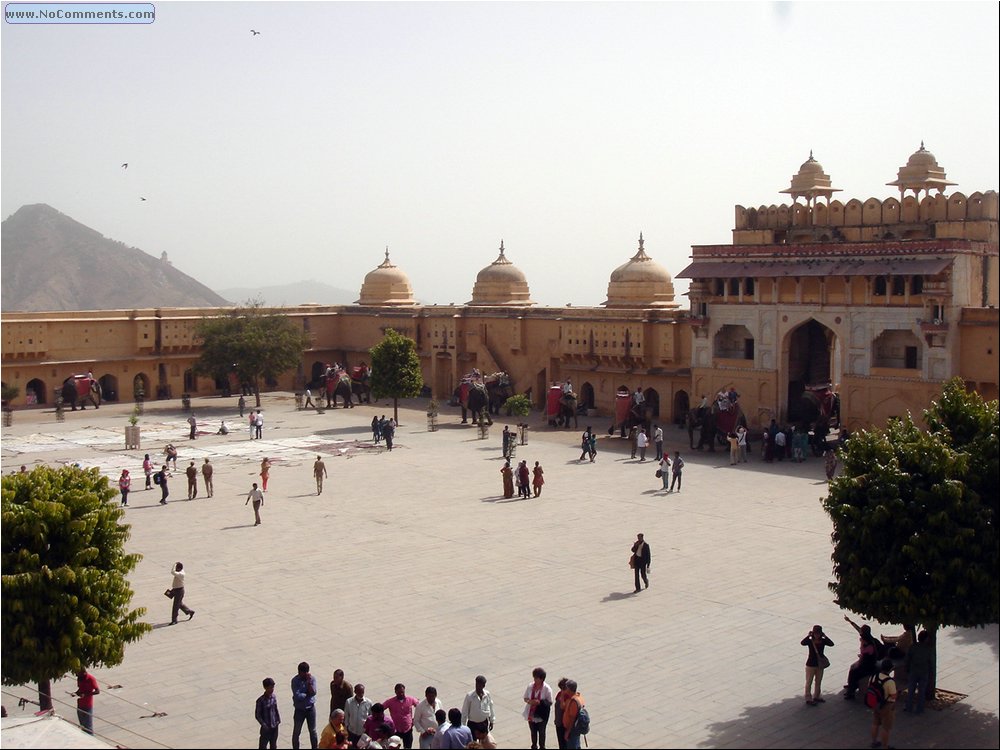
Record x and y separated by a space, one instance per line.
400 707
86 689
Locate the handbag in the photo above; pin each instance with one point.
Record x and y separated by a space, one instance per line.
169 593
659 474
542 711
631 561
824 663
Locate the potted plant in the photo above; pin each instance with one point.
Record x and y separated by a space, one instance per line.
519 406
10 392
132 437
432 416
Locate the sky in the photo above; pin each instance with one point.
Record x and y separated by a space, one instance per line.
439 129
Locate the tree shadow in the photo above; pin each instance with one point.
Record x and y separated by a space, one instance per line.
839 723
990 635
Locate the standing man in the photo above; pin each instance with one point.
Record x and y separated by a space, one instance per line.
319 471
243 405
425 722
633 438
389 432
258 424
641 560
642 440
267 716
206 472
741 436
194 426
192 475
574 704
456 735
258 500
400 707
477 709
919 662
677 467
884 715
658 441
304 700
356 713
160 478
86 689
340 691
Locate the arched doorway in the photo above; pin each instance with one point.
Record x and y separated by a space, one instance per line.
810 356
190 381
587 396
652 402
35 392
682 405
109 388
318 368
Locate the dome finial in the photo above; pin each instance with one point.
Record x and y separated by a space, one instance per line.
501 248
811 155
387 252
386 263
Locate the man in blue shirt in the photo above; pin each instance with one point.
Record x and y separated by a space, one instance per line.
268 716
456 735
304 700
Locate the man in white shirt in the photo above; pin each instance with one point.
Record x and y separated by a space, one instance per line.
477 709
658 441
356 710
425 725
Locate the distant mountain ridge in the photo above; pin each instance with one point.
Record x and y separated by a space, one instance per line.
297 293
52 262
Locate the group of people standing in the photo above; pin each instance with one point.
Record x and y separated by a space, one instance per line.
383 429
357 722
876 670
523 478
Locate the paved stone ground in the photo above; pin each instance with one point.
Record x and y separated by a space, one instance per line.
412 568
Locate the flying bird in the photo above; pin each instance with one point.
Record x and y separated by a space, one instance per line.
141 198
254 33
125 165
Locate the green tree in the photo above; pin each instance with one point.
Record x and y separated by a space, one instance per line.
519 405
66 593
395 369
252 342
914 517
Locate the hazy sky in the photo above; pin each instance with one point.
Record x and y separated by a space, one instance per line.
439 129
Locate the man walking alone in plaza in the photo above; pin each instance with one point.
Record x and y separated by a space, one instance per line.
319 472
641 560
258 500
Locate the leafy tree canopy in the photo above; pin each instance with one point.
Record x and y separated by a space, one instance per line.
914 516
395 370
251 342
66 593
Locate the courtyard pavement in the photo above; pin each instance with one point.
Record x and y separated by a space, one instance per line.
411 567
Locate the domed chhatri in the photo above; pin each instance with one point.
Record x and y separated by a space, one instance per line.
387 285
501 283
640 283
921 173
811 182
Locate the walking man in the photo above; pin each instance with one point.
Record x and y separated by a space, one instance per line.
160 478
267 716
319 471
258 500
192 475
194 426
86 689
243 405
884 716
641 560
206 472
304 700
309 400
677 467
177 593
258 424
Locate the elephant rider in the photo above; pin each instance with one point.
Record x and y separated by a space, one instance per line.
567 388
637 398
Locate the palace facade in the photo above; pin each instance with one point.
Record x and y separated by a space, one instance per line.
883 298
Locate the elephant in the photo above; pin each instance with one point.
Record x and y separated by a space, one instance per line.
567 410
336 383
78 389
474 398
361 383
499 388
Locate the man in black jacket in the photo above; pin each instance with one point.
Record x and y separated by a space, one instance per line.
641 561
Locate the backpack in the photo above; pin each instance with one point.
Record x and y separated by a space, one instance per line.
875 694
582 724
158 478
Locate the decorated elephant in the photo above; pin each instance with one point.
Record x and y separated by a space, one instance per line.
361 383
500 388
79 389
473 398
336 382
567 410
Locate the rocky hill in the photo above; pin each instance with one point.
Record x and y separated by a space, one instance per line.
51 262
